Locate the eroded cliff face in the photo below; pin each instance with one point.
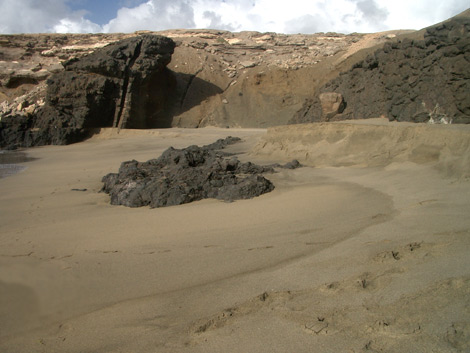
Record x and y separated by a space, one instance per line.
251 79
220 78
216 78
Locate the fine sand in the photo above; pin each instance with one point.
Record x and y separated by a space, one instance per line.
364 249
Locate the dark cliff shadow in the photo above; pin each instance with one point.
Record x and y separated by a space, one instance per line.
179 93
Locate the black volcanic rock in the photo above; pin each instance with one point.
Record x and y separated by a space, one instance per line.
123 85
409 80
181 176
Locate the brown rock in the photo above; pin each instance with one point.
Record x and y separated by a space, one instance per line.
332 103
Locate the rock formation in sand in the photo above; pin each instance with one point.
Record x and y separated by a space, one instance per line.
409 80
181 176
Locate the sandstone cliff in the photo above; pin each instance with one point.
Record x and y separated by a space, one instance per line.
205 63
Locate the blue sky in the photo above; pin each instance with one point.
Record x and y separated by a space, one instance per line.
292 16
98 11
101 11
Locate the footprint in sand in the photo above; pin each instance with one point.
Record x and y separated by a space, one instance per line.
414 249
261 248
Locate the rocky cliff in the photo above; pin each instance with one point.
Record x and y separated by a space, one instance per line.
54 88
210 67
123 85
408 80
57 87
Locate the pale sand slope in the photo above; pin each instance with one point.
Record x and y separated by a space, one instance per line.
369 257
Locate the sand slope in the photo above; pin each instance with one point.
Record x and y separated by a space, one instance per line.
351 255
372 142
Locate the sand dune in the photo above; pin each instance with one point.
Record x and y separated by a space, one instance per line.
365 249
372 142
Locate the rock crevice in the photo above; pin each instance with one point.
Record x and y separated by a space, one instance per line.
125 85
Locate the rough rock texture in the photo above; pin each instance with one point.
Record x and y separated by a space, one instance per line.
262 78
186 175
331 104
122 85
219 78
246 79
409 80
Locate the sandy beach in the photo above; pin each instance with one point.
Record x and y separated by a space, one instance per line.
364 249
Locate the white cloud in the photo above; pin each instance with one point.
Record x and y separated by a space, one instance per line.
33 16
153 15
76 25
405 14
25 16
294 16
216 21
372 12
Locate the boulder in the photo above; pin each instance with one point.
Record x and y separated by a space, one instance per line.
247 64
332 103
181 176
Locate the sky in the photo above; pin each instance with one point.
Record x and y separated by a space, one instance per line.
281 16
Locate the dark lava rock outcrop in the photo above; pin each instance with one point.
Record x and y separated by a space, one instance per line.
409 80
122 85
181 176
